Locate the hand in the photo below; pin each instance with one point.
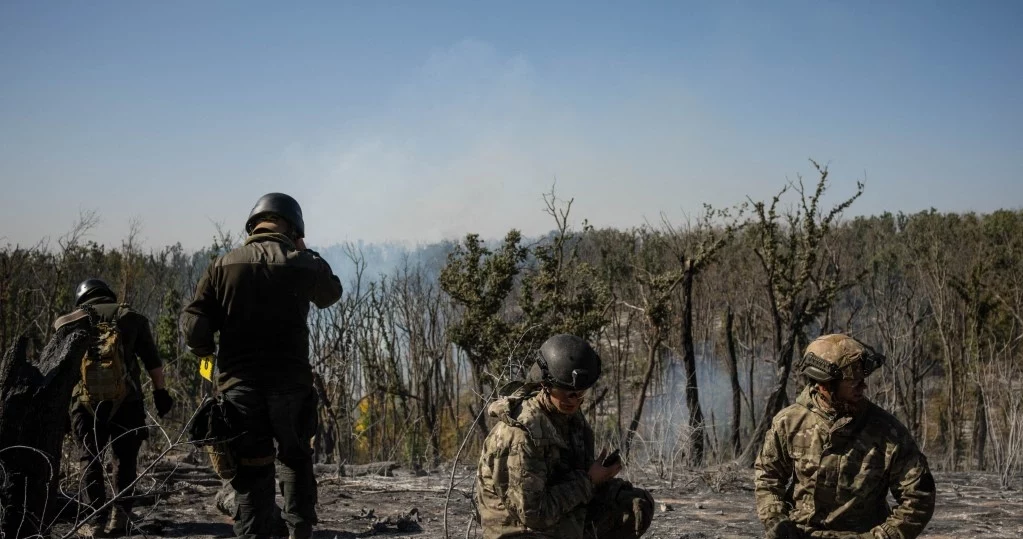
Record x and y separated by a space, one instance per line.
300 244
783 529
599 473
164 402
832 534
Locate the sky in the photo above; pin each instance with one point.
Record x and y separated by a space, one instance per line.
421 121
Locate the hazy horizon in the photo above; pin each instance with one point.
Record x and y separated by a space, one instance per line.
426 122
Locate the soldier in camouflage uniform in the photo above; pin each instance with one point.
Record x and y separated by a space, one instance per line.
830 460
537 474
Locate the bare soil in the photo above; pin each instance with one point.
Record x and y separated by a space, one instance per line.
690 505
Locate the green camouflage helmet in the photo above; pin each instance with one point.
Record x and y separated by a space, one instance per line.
836 357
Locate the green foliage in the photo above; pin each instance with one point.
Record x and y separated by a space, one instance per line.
479 281
561 293
941 294
167 334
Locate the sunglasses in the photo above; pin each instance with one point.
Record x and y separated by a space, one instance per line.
565 394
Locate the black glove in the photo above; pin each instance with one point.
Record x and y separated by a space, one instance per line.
783 529
164 402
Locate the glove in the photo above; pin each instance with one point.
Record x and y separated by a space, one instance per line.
829 534
783 529
164 402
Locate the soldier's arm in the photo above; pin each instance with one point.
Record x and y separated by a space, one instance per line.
146 351
326 289
202 317
772 473
912 485
538 503
145 345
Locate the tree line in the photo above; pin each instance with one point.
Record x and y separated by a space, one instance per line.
700 325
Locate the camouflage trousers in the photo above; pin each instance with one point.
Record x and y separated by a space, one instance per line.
619 510
95 430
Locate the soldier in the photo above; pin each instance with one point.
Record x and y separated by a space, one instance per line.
831 458
110 411
257 296
537 474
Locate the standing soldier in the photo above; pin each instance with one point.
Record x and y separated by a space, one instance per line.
537 474
830 460
257 296
107 406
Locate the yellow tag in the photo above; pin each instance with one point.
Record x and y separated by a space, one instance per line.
206 367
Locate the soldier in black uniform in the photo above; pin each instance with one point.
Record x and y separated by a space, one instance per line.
120 422
257 297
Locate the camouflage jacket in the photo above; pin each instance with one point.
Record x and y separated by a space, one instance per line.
841 470
532 479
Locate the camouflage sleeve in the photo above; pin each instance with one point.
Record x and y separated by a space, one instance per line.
772 472
201 318
538 503
912 485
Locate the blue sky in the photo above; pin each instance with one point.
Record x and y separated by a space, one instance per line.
425 120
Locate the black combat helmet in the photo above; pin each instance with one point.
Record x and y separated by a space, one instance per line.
568 362
93 288
280 204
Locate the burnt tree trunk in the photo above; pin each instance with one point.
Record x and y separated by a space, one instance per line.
696 421
732 362
980 431
637 414
775 402
34 401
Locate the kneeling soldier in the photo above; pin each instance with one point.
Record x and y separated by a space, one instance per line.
842 455
537 474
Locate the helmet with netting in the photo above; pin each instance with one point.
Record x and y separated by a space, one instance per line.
836 357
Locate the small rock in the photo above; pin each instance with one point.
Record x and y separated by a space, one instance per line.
665 507
699 505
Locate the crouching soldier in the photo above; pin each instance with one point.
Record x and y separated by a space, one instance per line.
537 475
830 460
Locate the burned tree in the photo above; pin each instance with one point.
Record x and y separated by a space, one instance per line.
800 280
34 399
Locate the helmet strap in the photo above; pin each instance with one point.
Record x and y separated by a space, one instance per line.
545 370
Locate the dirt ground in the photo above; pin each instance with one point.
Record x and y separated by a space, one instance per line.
690 505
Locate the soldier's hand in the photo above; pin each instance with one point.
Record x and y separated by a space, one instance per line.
830 534
783 529
164 402
599 473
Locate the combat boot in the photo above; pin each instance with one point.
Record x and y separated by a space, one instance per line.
120 523
92 529
302 531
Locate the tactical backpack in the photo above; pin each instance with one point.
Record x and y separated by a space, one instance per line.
104 375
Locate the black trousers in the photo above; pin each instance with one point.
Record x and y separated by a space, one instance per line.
96 430
285 417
